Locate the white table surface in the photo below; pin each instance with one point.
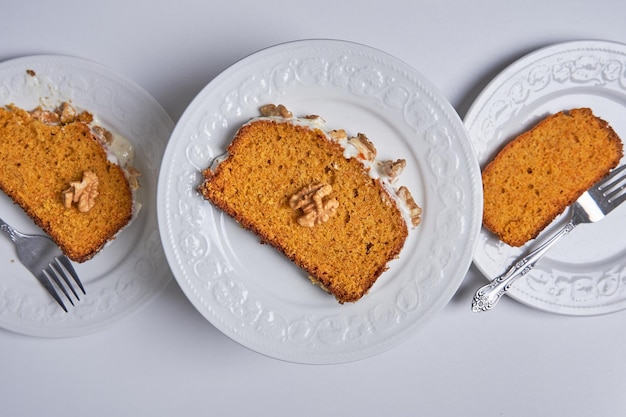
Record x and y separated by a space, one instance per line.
167 360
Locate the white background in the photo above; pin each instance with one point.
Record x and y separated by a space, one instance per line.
167 360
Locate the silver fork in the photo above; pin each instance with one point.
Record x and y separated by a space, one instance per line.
43 258
592 206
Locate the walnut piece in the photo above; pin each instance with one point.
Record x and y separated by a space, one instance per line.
315 209
275 110
415 211
83 193
338 135
366 148
393 168
102 135
133 175
66 113
47 117
62 115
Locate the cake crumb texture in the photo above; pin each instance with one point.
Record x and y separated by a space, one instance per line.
536 176
38 161
269 162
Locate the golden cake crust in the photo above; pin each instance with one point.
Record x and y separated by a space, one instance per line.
39 161
536 176
269 163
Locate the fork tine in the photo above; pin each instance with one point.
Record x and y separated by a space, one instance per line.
65 262
58 269
45 281
613 190
54 275
619 200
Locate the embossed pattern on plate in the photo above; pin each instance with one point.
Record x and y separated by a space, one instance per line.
131 270
586 273
255 295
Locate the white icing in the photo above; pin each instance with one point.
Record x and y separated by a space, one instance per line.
121 151
218 160
375 171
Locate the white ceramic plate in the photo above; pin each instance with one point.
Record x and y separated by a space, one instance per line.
130 271
250 291
586 273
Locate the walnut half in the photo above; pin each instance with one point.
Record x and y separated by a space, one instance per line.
315 209
83 193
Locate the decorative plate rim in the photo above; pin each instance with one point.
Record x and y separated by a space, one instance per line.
113 291
331 69
559 73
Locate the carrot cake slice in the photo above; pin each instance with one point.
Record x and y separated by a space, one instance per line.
541 172
320 197
55 165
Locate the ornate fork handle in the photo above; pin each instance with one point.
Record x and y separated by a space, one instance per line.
7 229
488 296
